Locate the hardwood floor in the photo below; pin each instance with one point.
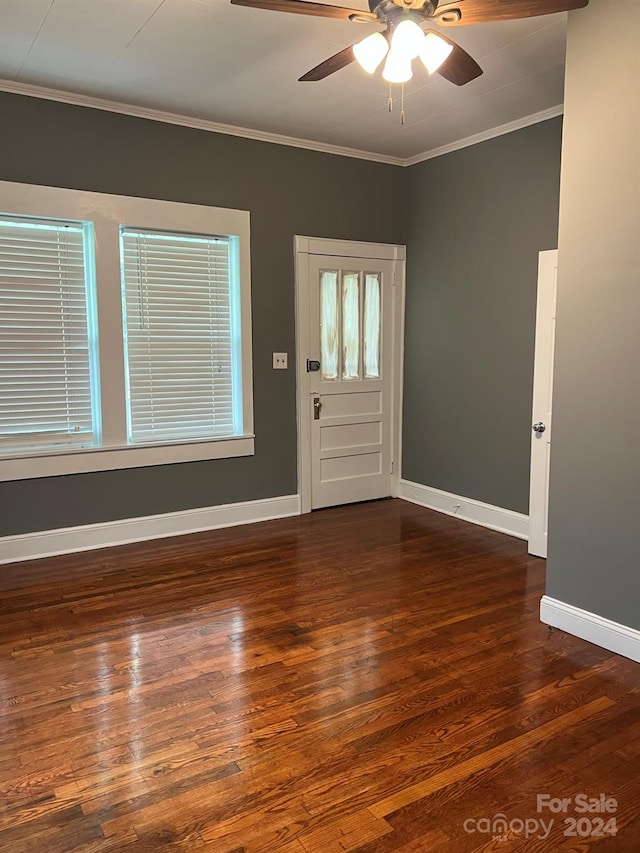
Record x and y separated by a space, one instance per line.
371 678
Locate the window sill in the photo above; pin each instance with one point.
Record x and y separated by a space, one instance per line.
56 463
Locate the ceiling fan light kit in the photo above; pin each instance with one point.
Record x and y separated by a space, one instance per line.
407 38
434 51
397 68
406 33
370 52
408 41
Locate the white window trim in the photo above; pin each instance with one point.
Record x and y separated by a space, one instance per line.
108 213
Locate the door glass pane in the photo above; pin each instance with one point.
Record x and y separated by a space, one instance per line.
372 326
351 325
329 324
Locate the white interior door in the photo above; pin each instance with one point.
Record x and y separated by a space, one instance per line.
542 398
349 395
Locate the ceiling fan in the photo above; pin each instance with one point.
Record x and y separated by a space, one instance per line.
407 32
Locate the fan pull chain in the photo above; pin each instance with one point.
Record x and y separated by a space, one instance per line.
402 103
390 101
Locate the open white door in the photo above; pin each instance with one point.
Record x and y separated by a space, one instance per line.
346 340
542 398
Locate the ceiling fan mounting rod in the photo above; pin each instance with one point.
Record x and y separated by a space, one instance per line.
425 7
390 12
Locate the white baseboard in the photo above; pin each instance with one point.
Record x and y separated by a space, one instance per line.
591 627
486 515
67 540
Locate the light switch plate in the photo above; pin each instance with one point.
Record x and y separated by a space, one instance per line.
280 361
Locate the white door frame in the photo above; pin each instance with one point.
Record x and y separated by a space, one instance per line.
303 248
542 401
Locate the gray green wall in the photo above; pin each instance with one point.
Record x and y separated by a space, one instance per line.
473 221
287 190
595 458
477 220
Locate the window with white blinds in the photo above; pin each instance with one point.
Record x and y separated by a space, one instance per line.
181 336
47 340
125 332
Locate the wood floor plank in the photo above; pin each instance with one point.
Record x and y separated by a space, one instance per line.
360 680
484 759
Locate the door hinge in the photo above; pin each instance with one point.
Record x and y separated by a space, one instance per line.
391 468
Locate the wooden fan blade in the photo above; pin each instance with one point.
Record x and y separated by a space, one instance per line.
329 66
300 7
480 11
459 67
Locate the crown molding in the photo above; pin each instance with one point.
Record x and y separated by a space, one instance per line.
492 133
32 91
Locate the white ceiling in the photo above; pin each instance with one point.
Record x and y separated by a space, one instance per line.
208 60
